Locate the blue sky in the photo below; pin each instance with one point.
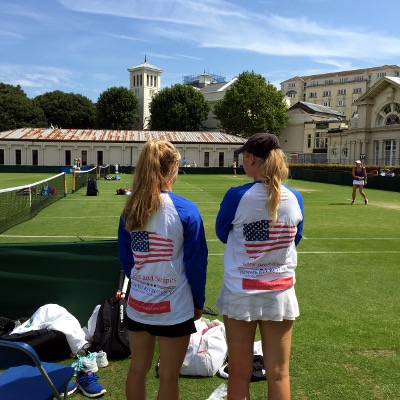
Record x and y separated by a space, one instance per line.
86 46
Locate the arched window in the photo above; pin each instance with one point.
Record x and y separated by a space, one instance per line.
389 115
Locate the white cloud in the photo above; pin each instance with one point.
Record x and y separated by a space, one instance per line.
222 24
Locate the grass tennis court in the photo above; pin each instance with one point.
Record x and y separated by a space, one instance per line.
346 342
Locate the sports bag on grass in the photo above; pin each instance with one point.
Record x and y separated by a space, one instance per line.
91 189
207 349
50 345
110 334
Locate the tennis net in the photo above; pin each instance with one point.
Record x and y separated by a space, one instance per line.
19 204
81 178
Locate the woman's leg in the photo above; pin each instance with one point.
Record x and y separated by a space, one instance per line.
142 351
240 338
361 190
276 340
353 195
172 354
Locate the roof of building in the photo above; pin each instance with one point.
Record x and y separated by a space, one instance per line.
341 73
312 108
144 65
217 87
91 135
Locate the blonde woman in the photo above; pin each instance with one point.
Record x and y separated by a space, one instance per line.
359 181
261 223
162 248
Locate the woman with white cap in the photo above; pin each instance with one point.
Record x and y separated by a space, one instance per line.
359 181
261 223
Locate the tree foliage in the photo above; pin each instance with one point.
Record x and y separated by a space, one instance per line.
251 105
17 110
67 110
178 108
117 109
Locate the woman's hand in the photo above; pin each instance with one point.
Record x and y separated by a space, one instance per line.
197 314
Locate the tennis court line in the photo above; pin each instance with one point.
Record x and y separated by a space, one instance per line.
189 184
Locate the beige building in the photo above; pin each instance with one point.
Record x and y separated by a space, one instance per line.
338 90
305 137
59 147
373 134
144 82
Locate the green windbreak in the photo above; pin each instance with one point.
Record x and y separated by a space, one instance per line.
76 276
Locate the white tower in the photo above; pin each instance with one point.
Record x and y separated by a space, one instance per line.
145 82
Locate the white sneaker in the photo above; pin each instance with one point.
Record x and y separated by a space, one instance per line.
101 359
86 364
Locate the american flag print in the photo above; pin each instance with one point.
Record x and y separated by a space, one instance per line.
150 248
260 238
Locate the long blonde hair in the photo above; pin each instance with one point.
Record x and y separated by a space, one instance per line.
157 167
274 170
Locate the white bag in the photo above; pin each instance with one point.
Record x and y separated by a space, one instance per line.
207 349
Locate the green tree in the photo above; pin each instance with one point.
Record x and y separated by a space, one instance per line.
67 110
18 111
116 109
179 108
251 105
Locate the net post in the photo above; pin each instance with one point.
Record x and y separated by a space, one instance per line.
73 181
65 184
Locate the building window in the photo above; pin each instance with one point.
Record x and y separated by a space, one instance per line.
314 83
313 95
334 152
359 78
68 158
376 152
1 156
341 103
327 103
320 141
381 74
136 92
329 82
392 119
141 80
389 115
35 157
308 141
343 80
390 152
100 160
148 80
155 81
291 85
84 157
206 159
220 159
356 90
326 93
345 152
341 91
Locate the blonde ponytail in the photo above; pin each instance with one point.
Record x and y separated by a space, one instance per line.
273 172
156 167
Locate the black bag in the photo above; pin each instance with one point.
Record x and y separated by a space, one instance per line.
110 334
50 345
91 189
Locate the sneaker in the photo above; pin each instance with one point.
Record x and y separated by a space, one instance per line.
353 202
101 359
85 364
88 385
71 388
366 201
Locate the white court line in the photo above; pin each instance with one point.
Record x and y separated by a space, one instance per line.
189 184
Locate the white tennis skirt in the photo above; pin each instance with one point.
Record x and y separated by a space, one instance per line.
276 305
358 182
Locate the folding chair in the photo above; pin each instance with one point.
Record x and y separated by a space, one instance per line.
26 377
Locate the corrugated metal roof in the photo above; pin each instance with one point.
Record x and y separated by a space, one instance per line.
81 135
